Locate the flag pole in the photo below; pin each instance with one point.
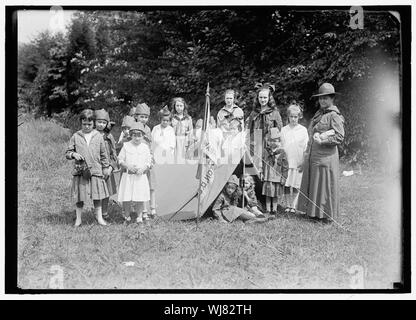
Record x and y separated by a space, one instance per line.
203 131
244 173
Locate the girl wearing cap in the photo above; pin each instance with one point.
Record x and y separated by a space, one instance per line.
141 114
225 206
102 121
182 125
124 135
274 172
135 159
319 196
262 118
295 139
163 137
87 148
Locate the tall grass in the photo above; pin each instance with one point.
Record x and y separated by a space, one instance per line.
290 252
41 145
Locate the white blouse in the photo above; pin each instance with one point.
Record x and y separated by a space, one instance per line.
163 138
135 155
294 142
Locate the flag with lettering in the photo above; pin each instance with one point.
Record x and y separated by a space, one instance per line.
208 155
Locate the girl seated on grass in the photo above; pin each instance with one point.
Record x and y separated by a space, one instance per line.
87 148
135 159
225 207
250 198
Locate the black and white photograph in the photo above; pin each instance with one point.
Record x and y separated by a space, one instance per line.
233 148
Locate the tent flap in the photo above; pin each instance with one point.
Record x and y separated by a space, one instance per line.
177 187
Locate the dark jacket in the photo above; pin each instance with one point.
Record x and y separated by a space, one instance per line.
95 153
277 166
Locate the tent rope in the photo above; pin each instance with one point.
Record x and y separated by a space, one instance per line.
196 194
303 194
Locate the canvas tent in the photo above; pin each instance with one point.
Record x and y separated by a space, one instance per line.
177 184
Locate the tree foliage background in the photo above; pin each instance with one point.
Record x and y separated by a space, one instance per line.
115 59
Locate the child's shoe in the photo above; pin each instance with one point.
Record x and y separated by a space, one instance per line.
101 221
99 217
146 220
145 215
280 209
77 223
152 214
221 219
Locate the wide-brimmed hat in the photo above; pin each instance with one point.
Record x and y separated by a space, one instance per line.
137 126
127 121
325 89
142 108
234 179
102 115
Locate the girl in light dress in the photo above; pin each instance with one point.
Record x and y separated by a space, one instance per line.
135 159
295 140
163 139
142 114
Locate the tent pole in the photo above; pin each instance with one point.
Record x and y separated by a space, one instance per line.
244 172
183 206
203 132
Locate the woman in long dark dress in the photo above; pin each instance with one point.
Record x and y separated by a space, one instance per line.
319 191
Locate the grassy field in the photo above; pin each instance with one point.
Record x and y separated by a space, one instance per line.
291 252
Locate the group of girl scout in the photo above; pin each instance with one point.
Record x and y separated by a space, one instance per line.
97 155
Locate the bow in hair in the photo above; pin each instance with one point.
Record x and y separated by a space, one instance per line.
266 85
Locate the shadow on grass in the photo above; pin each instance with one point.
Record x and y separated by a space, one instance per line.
299 217
62 218
67 217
